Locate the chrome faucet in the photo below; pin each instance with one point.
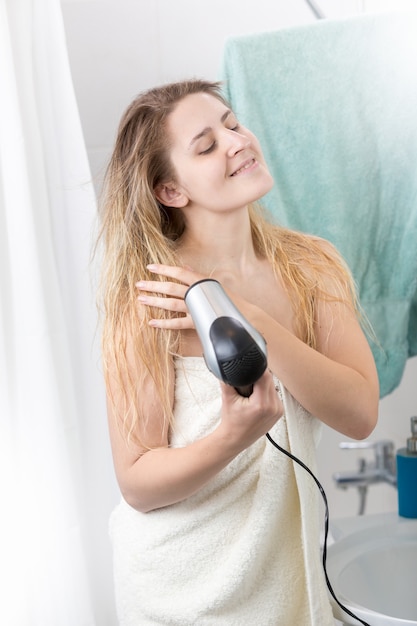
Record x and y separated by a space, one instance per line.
381 469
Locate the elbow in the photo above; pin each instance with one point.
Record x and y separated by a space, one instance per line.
135 488
366 413
364 424
136 497
364 429
136 502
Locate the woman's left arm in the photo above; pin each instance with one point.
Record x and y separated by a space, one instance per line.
337 382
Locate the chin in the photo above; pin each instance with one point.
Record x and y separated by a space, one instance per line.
263 188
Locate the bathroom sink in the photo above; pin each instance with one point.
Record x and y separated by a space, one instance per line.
372 568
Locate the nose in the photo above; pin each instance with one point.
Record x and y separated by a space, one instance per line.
236 142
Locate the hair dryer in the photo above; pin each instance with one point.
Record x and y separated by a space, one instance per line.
233 350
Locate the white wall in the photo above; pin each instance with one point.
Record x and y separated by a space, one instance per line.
119 47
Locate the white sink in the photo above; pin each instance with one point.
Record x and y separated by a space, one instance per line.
372 567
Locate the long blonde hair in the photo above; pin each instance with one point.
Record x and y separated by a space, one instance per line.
136 231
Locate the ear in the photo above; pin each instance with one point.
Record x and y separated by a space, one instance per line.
168 195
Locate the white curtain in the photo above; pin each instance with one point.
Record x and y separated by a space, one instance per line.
55 471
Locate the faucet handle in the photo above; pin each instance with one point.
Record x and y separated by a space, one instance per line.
356 445
384 449
382 444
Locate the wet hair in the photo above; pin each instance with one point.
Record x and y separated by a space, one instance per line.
137 230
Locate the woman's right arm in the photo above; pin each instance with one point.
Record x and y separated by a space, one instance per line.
153 478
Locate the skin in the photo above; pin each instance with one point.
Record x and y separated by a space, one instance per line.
219 170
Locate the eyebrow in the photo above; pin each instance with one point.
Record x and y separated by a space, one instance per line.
206 130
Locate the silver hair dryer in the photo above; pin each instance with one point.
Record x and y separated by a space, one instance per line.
233 350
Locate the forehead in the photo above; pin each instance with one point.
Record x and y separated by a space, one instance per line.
193 114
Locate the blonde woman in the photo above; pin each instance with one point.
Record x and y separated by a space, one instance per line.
215 526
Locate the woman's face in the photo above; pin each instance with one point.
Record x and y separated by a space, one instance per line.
218 163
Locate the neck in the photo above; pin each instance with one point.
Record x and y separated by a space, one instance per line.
222 249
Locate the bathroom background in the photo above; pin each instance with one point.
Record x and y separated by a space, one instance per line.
117 48
120 47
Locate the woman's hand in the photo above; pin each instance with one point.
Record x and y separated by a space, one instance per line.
165 475
245 420
170 295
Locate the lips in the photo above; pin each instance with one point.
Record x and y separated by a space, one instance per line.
244 166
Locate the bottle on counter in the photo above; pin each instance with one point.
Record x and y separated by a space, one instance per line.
407 475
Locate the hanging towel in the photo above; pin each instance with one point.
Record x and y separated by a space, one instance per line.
334 105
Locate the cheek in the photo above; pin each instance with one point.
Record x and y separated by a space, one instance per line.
206 175
201 179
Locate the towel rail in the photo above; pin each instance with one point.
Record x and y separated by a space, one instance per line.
316 9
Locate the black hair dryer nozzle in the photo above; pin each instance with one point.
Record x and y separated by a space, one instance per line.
233 350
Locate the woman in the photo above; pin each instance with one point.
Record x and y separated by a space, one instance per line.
216 526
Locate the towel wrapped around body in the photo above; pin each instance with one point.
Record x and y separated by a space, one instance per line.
243 550
334 106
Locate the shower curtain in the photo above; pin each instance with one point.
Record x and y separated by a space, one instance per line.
55 470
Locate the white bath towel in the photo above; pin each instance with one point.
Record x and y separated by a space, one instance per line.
245 549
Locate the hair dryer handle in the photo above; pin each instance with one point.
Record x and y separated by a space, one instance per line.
245 391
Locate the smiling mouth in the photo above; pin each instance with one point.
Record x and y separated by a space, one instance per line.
244 167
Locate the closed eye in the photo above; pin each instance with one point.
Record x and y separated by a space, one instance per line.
209 149
214 144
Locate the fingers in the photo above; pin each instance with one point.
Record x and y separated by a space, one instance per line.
264 392
183 274
244 420
174 290
174 323
168 304
263 397
168 296
181 319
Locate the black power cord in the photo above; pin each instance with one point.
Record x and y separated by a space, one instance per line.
326 527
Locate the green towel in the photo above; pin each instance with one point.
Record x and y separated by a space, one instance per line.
334 105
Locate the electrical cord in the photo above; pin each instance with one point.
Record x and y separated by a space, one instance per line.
326 527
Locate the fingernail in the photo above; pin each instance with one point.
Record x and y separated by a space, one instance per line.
151 267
